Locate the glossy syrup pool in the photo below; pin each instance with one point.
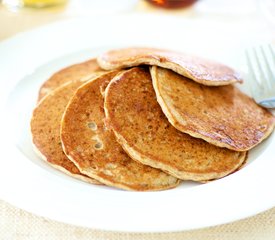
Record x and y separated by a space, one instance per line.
172 4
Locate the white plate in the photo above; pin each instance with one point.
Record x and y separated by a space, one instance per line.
27 182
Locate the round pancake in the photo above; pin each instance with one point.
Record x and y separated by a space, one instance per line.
94 149
45 129
223 116
84 71
142 129
198 69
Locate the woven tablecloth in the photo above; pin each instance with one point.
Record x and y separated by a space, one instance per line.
16 224
19 224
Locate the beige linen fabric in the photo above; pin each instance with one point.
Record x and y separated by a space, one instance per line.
16 224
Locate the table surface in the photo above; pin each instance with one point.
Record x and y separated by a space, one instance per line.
19 224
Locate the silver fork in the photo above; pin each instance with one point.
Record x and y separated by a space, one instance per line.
261 66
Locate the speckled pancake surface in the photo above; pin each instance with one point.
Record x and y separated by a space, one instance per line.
223 115
143 130
93 148
84 71
198 69
45 129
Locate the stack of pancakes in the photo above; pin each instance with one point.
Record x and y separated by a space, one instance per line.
144 119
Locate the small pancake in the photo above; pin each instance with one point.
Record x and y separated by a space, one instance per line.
84 71
45 129
94 149
142 129
223 115
198 69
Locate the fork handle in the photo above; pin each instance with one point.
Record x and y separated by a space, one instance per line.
267 103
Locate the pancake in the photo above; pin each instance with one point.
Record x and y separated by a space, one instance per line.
45 129
142 129
198 69
94 149
223 115
84 70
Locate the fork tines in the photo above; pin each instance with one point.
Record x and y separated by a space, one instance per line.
261 66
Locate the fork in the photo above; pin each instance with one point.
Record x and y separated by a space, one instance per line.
261 66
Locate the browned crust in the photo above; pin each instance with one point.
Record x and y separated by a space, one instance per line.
239 126
109 164
198 69
167 149
45 127
81 71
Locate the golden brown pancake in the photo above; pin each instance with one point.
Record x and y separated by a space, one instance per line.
45 129
223 115
84 70
142 129
94 149
198 69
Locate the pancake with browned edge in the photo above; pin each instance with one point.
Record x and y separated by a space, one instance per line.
93 148
45 129
198 69
84 71
223 115
142 129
